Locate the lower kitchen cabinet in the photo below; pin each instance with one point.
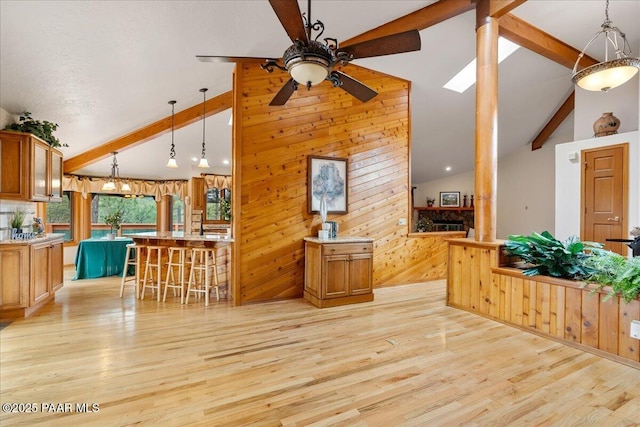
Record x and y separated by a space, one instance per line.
32 271
338 271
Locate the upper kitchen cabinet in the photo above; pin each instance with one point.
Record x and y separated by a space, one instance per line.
30 169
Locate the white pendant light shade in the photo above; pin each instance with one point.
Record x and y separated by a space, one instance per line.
308 72
126 187
607 74
203 163
172 163
109 186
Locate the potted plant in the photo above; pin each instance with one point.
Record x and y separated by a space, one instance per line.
42 129
424 224
114 219
17 220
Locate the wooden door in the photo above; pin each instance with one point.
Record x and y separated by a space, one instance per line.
55 181
41 272
360 280
604 196
41 175
335 276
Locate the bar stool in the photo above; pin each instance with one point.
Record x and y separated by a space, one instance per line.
180 263
203 260
136 262
150 266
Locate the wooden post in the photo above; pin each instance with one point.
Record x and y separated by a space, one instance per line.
486 140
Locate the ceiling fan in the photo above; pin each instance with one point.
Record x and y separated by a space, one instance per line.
309 61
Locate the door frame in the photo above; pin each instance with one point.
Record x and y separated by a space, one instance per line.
625 183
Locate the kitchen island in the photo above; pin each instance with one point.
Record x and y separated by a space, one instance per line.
220 242
179 238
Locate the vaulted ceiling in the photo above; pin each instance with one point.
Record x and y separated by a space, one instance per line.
103 69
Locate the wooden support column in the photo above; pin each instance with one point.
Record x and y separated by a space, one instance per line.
164 220
486 138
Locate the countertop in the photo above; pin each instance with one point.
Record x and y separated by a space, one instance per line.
180 236
35 240
340 239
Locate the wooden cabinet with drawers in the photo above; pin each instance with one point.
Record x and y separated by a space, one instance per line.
30 169
30 274
338 271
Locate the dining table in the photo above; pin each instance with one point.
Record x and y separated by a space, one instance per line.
101 257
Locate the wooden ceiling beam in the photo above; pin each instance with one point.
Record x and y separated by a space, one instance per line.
182 118
418 20
540 42
498 8
563 112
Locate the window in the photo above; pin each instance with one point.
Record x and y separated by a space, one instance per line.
59 217
218 202
140 213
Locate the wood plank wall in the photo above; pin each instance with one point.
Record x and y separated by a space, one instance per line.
559 309
271 145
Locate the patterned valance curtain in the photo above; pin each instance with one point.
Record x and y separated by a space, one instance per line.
217 181
87 185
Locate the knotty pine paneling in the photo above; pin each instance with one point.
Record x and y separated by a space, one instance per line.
556 308
271 145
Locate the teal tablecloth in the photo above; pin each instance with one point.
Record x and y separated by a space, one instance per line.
101 257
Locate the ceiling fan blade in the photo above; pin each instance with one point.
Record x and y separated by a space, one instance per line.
211 58
355 88
284 94
290 17
408 41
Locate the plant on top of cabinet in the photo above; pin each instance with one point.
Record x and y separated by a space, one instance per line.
42 129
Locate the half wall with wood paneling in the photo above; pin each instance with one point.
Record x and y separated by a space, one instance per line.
271 145
564 310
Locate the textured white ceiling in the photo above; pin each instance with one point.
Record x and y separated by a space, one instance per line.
101 69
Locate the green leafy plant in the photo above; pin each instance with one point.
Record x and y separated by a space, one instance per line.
17 218
551 257
114 219
620 273
424 224
42 129
225 209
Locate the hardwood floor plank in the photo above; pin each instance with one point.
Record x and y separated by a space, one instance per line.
405 359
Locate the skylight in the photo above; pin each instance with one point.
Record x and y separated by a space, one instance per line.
467 76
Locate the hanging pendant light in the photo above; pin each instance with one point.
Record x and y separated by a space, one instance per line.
110 184
172 154
203 160
608 74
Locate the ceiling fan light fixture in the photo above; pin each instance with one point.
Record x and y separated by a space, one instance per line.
308 64
609 73
172 163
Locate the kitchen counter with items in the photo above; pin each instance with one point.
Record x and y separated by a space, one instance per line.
31 273
180 238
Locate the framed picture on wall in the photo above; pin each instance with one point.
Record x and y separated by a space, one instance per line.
327 176
450 199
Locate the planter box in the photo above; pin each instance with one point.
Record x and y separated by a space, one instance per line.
563 310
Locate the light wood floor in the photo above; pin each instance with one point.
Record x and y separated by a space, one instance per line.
403 360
